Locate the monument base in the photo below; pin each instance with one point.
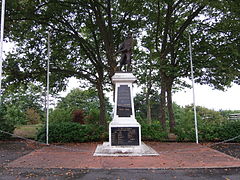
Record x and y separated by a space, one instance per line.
124 130
106 150
126 134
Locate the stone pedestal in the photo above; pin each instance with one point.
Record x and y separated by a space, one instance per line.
124 130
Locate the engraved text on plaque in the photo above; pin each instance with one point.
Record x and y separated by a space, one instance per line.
124 107
125 136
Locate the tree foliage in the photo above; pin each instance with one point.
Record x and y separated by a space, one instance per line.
85 34
81 99
141 106
5 125
212 125
23 105
79 105
215 41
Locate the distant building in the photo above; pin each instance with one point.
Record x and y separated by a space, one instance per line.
235 116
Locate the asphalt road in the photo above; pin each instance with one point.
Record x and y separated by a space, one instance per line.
11 150
120 174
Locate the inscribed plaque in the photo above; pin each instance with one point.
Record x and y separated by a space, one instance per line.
124 106
125 136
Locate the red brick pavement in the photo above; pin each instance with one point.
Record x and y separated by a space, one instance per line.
171 155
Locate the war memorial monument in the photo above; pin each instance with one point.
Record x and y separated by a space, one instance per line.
124 130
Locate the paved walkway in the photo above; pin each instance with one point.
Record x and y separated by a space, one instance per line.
172 155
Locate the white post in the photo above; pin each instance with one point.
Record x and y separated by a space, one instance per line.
1 46
48 88
194 103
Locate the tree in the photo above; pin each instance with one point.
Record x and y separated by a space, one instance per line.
84 36
142 108
170 31
82 99
32 116
167 27
147 78
82 103
208 115
25 97
24 104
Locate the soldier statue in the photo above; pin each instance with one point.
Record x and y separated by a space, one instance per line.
125 49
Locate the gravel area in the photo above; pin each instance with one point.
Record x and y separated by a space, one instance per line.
232 149
11 150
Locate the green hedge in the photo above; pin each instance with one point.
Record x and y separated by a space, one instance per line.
221 132
74 132
64 132
7 128
153 132
4 124
211 132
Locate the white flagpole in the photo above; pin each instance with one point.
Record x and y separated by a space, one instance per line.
1 46
194 103
47 128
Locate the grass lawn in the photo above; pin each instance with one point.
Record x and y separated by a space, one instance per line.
27 131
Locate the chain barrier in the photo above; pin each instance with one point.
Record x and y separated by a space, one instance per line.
231 139
77 150
20 137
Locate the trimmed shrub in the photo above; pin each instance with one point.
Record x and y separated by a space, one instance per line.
7 128
210 132
5 125
65 132
93 116
153 132
185 129
78 116
220 132
60 115
212 125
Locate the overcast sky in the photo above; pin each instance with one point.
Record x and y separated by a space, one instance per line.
212 99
